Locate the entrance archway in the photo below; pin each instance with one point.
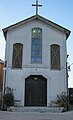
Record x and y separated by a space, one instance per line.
35 91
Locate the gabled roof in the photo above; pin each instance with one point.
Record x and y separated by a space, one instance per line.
39 18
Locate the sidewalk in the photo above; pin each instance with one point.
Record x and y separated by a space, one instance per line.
4 115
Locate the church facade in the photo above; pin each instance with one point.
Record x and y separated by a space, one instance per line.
36 56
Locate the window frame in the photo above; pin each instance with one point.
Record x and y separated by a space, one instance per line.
58 67
21 55
38 59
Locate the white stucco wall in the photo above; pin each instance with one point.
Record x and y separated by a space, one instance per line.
15 78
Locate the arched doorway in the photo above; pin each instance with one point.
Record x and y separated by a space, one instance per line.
35 91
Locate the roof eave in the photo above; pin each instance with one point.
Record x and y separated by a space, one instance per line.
38 17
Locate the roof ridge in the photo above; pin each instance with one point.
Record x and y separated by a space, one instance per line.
42 19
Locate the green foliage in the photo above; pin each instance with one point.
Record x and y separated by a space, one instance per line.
62 100
9 97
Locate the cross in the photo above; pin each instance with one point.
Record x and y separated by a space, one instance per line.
37 5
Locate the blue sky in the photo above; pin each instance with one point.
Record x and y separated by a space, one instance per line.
58 11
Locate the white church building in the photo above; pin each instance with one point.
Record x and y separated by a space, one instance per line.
36 56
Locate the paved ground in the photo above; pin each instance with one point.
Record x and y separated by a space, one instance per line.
36 116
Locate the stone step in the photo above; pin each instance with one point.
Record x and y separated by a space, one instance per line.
37 109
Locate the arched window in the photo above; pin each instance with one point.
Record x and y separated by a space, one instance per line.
55 56
36 45
17 55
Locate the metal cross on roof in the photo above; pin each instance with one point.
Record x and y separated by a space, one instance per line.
37 5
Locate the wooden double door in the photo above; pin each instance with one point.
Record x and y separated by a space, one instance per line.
35 91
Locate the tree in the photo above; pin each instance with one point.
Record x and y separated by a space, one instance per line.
9 97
